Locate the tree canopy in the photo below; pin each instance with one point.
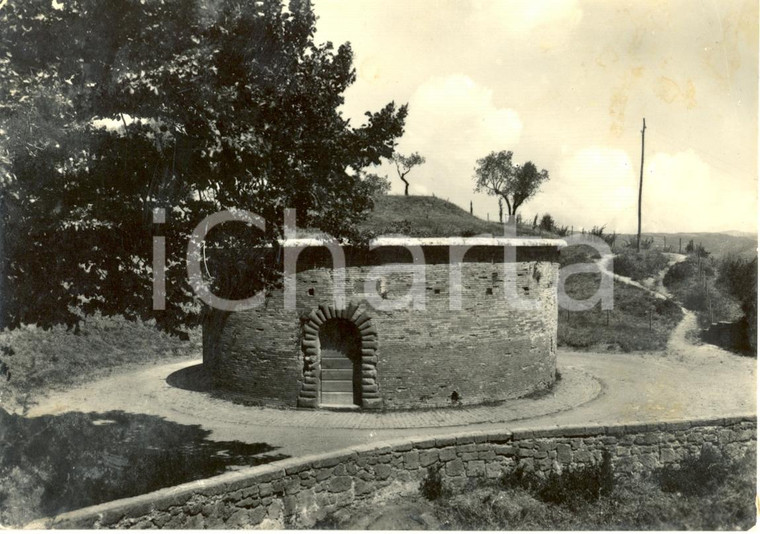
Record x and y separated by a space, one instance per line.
111 108
497 175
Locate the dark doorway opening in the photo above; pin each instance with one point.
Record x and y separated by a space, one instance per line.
340 358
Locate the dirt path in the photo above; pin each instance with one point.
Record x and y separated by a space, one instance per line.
686 381
634 388
683 344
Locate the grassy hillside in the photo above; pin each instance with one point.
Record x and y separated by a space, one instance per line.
34 360
718 244
423 216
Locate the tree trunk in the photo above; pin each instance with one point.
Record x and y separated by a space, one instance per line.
212 321
406 186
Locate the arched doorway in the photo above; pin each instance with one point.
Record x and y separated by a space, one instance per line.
340 345
355 337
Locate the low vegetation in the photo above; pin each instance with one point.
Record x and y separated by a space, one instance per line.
638 320
694 283
590 499
34 360
56 463
639 265
706 491
424 216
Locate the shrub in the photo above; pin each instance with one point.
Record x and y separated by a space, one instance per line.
640 265
578 485
646 243
562 231
679 272
547 223
571 488
431 486
697 475
598 231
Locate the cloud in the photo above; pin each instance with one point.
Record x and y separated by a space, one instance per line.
455 116
524 16
598 185
453 121
601 179
682 191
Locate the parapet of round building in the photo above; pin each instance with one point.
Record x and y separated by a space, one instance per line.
419 323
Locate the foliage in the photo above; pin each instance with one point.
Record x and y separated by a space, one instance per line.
694 284
39 360
111 108
646 243
639 265
698 250
431 487
377 186
624 328
738 276
496 175
56 463
598 231
696 475
404 164
547 223
635 504
562 231
570 487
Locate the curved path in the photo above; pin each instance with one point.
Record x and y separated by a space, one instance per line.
686 381
634 389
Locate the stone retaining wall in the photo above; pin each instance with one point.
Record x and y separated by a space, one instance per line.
300 491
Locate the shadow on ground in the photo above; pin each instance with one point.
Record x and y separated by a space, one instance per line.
195 378
56 463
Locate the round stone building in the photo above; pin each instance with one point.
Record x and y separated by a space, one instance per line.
409 323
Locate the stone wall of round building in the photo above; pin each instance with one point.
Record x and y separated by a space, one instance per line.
469 345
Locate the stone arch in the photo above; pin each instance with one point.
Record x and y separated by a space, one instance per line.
308 397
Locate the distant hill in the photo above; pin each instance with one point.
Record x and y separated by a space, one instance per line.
424 216
716 243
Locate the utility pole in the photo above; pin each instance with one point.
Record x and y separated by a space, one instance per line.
641 183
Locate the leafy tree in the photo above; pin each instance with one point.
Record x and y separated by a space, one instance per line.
111 108
404 164
738 276
497 175
547 223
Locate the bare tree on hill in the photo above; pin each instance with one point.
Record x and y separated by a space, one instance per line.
404 164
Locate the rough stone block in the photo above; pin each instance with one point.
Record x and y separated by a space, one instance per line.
564 453
428 458
455 468
412 460
476 468
338 484
449 453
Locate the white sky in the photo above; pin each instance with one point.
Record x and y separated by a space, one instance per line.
565 84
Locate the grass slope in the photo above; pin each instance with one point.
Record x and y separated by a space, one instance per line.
626 327
37 360
423 216
708 491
